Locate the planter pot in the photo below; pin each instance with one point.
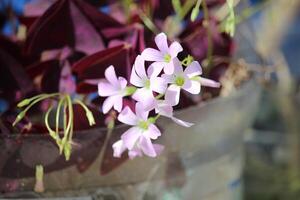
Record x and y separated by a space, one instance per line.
201 162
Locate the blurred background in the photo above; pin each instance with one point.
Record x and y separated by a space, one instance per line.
269 39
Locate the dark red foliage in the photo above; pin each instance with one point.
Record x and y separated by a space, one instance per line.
195 40
69 23
93 66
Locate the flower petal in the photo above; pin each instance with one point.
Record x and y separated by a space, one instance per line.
118 148
174 49
131 136
147 146
172 95
169 67
164 109
111 76
118 103
108 104
135 152
168 78
128 117
145 96
150 54
193 69
192 87
122 82
158 84
135 79
178 69
181 122
139 67
155 69
162 42
106 89
153 132
209 83
141 112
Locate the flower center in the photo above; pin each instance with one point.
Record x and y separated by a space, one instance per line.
143 125
147 84
167 58
179 81
129 90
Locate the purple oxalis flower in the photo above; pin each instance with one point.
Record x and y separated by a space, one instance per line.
182 79
114 89
165 55
147 82
137 139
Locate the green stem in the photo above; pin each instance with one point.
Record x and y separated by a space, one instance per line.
188 5
61 101
148 23
22 114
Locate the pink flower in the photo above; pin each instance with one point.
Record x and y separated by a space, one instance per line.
165 108
165 55
138 138
182 80
119 148
114 89
148 82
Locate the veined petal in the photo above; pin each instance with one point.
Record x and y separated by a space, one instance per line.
128 117
131 136
139 67
174 49
194 69
192 87
153 132
106 89
173 94
162 42
147 146
209 83
118 148
155 69
150 54
140 111
111 76
108 104
181 122
158 84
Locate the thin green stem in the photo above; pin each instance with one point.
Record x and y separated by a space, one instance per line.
148 22
60 103
22 114
188 5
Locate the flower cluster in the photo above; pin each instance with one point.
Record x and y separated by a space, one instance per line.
155 88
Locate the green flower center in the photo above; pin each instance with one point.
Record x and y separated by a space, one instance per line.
147 84
167 58
179 81
130 90
143 125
